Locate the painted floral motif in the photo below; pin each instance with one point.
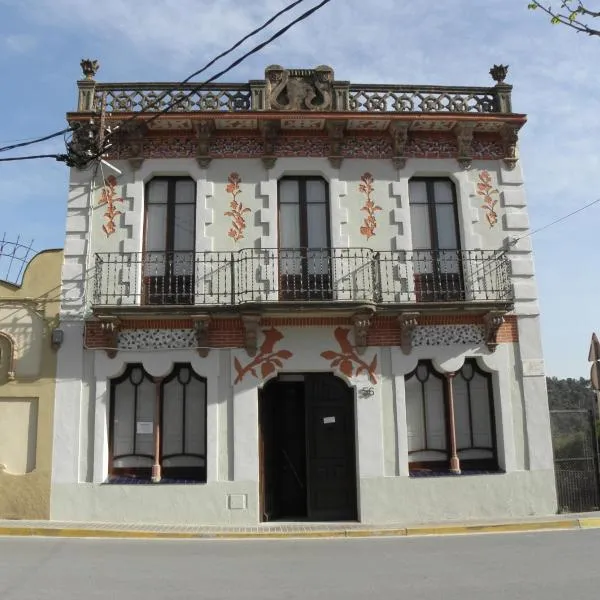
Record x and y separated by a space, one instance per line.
370 222
109 198
485 190
238 210
267 358
347 360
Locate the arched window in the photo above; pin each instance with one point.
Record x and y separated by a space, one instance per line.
6 358
171 410
170 240
436 256
428 414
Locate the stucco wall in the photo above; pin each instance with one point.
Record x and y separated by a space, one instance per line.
386 493
27 314
257 189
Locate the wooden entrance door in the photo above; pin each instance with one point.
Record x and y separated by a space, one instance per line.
331 448
308 466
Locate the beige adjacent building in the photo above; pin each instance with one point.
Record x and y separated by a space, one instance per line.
28 317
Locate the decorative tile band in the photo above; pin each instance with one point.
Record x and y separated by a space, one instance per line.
419 145
146 339
447 335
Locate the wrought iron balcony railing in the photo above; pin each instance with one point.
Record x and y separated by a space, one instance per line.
300 275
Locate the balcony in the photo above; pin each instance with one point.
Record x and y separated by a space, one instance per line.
300 278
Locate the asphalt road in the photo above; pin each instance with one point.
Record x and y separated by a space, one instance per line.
547 566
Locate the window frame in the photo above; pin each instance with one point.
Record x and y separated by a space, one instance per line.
303 213
169 288
172 181
305 285
467 464
145 473
431 204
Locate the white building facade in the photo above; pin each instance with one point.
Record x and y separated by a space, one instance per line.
300 298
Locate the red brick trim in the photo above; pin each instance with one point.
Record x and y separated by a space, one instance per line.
229 333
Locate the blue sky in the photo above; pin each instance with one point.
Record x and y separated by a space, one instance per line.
554 72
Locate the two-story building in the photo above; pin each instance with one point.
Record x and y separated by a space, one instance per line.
299 298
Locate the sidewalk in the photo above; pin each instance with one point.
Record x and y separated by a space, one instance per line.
282 530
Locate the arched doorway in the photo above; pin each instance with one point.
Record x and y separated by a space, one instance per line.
307 447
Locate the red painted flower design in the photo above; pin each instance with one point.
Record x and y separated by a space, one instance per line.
238 210
347 360
485 189
267 358
108 198
370 222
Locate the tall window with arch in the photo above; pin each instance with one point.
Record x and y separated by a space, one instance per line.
158 426
445 411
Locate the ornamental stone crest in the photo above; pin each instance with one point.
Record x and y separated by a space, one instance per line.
299 89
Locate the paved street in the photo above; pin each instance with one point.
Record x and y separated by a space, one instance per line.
547 566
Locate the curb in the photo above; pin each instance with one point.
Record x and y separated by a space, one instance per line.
419 531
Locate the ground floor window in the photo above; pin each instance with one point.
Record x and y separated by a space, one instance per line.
158 425
450 419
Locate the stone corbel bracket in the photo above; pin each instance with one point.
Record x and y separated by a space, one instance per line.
408 321
111 328
361 323
510 138
201 325
270 131
464 141
491 324
204 131
336 131
251 330
399 133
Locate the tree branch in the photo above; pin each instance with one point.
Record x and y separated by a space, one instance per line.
571 19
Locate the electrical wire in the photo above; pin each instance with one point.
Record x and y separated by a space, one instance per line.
222 55
63 157
31 141
555 222
234 64
59 157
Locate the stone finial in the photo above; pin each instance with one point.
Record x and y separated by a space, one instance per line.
499 73
89 68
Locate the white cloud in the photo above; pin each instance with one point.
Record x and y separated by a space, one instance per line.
454 42
20 43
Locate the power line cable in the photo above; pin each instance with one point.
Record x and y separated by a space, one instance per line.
242 58
555 222
59 157
225 53
36 140
234 64
157 100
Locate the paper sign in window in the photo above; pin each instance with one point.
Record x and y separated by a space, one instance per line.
144 427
